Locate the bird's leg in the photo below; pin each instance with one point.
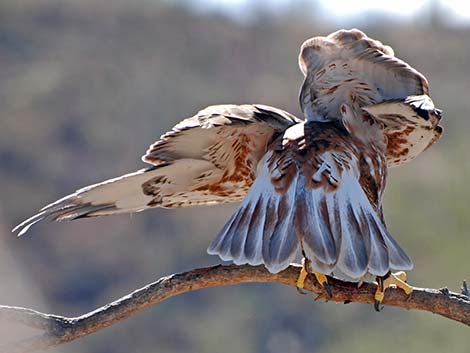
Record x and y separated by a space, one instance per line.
379 294
320 277
302 276
397 279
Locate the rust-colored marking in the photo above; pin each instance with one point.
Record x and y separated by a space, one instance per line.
396 141
332 90
239 175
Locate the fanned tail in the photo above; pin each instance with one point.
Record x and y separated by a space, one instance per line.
338 230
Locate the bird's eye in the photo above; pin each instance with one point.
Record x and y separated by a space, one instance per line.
423 113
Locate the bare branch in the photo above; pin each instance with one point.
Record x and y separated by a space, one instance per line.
60 329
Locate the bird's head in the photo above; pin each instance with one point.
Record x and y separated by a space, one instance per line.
411 125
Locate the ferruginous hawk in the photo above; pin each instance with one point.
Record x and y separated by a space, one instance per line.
313 186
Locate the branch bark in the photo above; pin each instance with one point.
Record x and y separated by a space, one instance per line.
59 329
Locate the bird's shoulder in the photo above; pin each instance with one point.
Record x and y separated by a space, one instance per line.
320 153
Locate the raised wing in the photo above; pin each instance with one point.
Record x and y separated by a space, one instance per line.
207 159
349 67
319 191
230 140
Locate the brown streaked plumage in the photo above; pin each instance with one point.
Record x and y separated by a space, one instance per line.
408 132
314 185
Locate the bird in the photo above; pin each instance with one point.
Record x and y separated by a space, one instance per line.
309 186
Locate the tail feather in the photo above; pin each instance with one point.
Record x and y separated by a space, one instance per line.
331 231
238 231
260 230
283 243
234 243
338 230
353 256
254 236
398 259
312 225
378 262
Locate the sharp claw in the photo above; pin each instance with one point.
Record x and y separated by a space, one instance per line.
396 280
301 291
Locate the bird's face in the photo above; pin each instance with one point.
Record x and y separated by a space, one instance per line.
435 117
427 117
423 108
410 125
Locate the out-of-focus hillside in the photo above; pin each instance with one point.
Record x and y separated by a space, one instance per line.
86 86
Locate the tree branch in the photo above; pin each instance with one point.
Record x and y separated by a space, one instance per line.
59 329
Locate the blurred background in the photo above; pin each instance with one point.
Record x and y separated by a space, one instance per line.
86 86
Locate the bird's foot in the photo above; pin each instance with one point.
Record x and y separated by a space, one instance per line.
323 281
302 276
320 277
397 279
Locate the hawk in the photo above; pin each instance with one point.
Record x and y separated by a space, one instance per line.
312 186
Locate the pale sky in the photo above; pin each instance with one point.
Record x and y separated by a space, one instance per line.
345 8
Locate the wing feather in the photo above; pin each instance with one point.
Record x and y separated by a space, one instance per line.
348 66
207 159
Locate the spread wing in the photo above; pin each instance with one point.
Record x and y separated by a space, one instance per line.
349 67
207 159
318 190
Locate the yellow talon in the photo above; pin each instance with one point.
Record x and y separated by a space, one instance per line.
397 279
302 276
379 294
320 277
